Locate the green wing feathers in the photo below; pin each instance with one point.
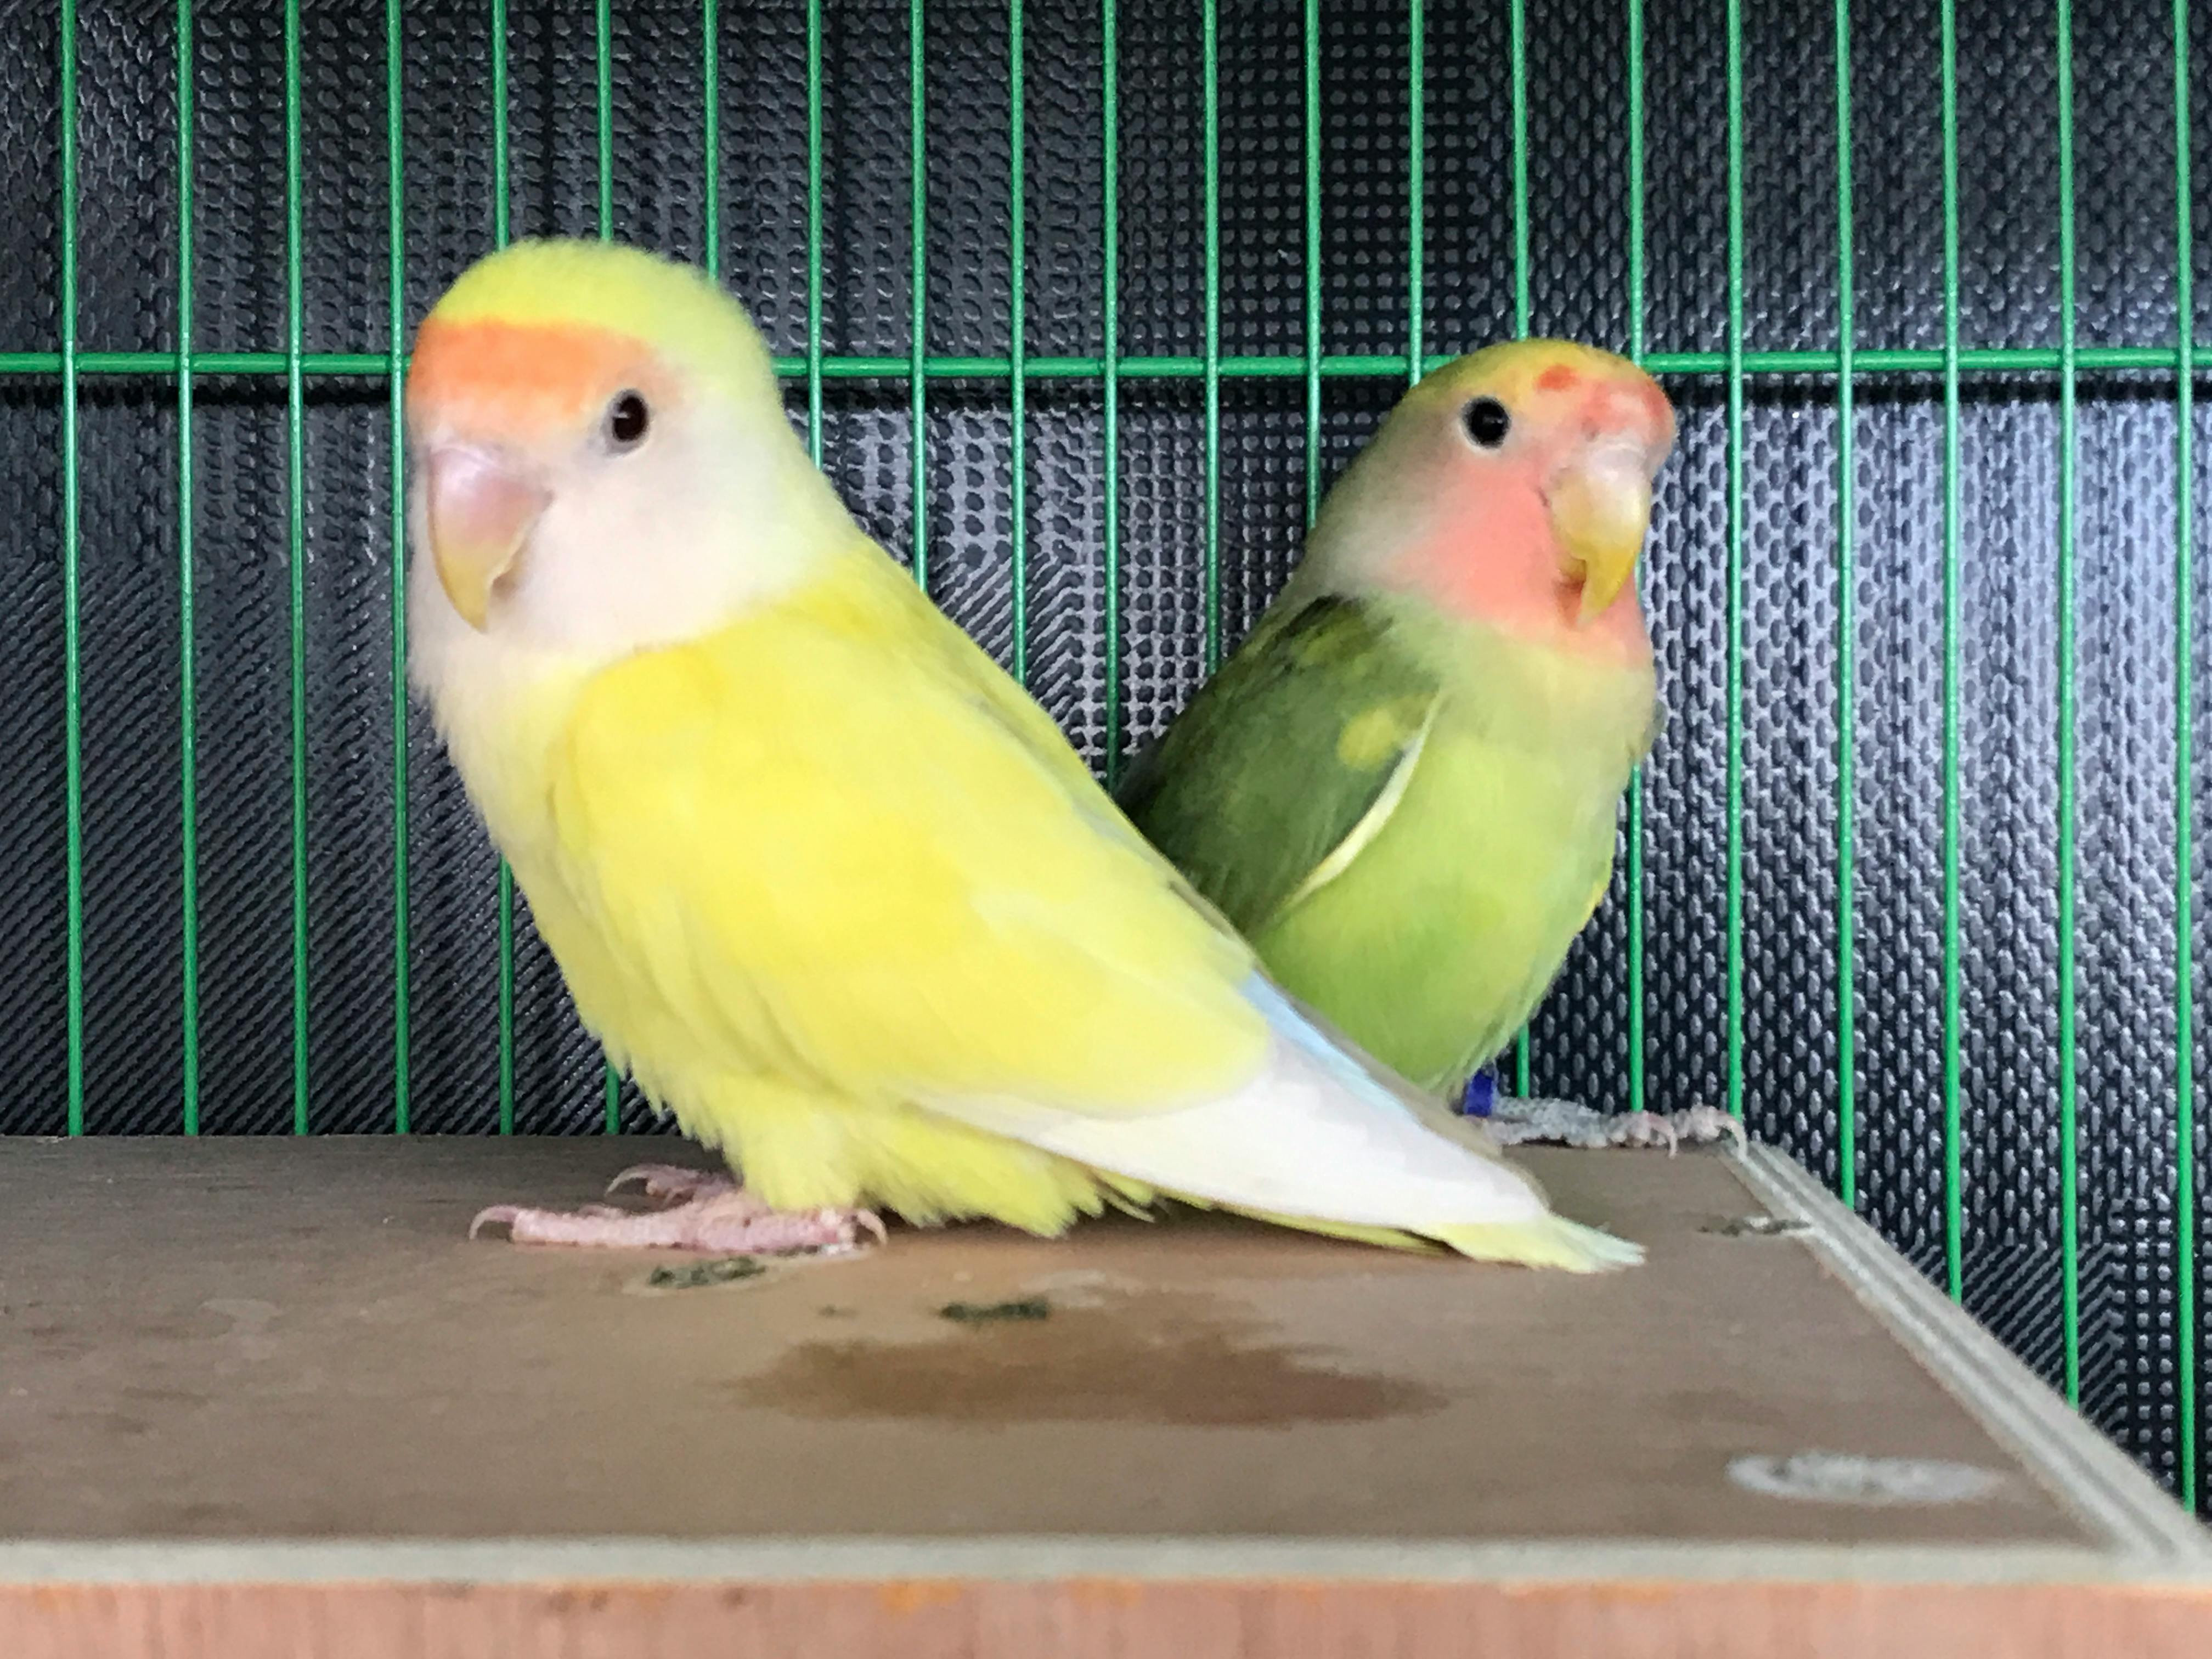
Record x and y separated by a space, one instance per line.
1410 819
1282 756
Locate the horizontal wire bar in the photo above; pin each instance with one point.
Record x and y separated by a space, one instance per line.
1864 362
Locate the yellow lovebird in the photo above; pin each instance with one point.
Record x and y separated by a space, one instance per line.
818 875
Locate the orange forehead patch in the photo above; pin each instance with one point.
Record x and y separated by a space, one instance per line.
1557 378
521 374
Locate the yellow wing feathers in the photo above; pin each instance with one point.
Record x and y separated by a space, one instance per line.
809 834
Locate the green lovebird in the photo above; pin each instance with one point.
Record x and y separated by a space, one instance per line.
1403 788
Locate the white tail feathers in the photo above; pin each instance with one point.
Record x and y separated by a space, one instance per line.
1551 1241
1321 1134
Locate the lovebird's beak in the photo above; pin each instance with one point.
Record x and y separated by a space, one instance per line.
1601 510
482 511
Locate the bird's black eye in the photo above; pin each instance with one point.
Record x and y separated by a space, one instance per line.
627 420
1486 423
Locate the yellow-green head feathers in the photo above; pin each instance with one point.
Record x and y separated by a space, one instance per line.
1513 486
582 302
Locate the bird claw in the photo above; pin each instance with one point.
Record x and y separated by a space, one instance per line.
1704 1123
1644 1129
1696 1125
676 1180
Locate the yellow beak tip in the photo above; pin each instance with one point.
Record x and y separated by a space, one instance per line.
1602 585
468 577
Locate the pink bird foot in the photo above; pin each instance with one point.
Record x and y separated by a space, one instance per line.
1702 1123
1517 1122
712 1212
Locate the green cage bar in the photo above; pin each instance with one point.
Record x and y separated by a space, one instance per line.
1847 1184
1017 369
296 472
1517 67
72 712
1953 1176
2070 1249
602 43
396 280
603 65
1416 206
1735 603
710 136
499 237
918 281
2185 779
1210 363
188 873
1109 301
1885 361
1309 44
1632 831
1517 25
603 50
814 230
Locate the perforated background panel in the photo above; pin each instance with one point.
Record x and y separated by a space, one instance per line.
1734 970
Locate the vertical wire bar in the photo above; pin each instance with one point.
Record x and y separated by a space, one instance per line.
500 226
1735 389
814 230
1109 367
395 150
72 751
187 665
602 61
1517 60
1847 1183
1018 413
1416 185
2069 1171
1311 46
1953 1179
1111 370
2185 777
499 237
1209 26
604 57
1634 831
710 135
918 281
1516 17
296 478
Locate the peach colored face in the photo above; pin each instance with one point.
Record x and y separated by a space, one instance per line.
496 408
1516 487
598 463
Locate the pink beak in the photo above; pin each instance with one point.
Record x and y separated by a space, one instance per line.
482 511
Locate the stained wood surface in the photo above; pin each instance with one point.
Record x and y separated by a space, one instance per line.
265 1396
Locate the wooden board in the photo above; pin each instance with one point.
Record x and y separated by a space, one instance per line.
264 1396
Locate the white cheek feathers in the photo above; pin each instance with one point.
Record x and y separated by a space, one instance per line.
667 540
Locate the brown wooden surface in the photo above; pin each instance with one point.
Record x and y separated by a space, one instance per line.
1102 1619
286 1353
